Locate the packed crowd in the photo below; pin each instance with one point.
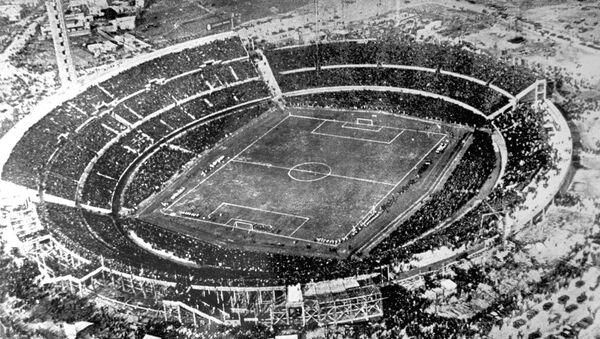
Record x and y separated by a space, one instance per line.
98 236
170 158
110 167
464 183
170 65
446 56
527 143
261 268
399 103
53 154
32 304
480 97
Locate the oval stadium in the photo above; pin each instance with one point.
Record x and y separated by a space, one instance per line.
219 182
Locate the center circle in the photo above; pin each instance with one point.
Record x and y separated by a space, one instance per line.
309 171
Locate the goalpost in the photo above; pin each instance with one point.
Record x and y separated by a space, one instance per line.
362 121
243 225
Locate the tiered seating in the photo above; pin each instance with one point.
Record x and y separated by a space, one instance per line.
408 104
527 144
120 155
170 158
170 65
470 174
479 96
95 117
67 225
449 57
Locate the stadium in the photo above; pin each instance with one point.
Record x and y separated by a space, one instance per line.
214 182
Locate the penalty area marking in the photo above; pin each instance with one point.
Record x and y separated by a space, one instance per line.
256 209
383 113
316 132
176 215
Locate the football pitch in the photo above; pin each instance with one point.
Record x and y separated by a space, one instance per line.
311 178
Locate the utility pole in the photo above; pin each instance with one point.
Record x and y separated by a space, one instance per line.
64 59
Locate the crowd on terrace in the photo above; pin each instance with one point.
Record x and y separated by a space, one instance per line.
92 125
170 158
446 56
526 140
119 119
480 97
394 102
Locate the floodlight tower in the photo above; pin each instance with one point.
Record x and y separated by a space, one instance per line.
64 60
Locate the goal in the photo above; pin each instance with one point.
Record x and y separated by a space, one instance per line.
243 225
362 121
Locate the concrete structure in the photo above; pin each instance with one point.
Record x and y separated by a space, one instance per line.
78 24
64 60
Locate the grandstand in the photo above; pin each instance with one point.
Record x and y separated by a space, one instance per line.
178 181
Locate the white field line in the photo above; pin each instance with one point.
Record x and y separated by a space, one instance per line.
345 125
258 209
314 131
307 171
227 163
255 231
404 129
400 181
245 222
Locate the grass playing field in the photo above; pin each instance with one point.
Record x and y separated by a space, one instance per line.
304 179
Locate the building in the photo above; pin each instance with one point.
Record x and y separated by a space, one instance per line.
76 24
123 23
12 12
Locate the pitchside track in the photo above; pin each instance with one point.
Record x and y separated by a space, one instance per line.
303 180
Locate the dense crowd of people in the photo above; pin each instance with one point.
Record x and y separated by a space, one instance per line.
174 64
171 157
251 268
112 165
55 152
446 56
527 143
472 171
480 97
399 103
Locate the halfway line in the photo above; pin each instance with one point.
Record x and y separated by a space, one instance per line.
307 171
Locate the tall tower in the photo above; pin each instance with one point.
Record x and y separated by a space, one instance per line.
56 19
